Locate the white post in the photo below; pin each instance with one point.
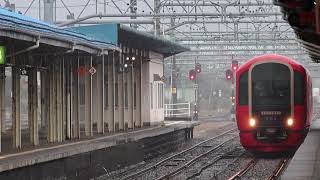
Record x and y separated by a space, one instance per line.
165 111
189 110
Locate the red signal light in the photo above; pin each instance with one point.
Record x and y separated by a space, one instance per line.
192 75
229 74
198 68
234 65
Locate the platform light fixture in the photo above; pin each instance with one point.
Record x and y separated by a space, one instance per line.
129 57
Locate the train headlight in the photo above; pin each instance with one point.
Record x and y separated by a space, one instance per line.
289 122
252 122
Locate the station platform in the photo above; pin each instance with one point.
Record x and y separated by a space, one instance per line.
305 165
73 150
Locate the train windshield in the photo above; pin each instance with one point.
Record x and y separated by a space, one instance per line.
270 84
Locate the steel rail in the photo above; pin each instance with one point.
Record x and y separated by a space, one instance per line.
243 171
205 167
175 155
211 163
276 173
169 176
226 167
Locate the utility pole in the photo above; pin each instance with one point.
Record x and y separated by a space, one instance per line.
174 72
96 6
234 67
105 7
39 9
196 90
133 10
233 100
48 11
156 19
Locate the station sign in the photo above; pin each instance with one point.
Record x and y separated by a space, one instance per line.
163 79
2 54
195 86
92 70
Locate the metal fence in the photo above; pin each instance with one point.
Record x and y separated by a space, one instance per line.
179 110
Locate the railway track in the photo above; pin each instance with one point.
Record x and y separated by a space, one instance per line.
226 156
280 168
211 159
244 170
176 163
171 174
251 164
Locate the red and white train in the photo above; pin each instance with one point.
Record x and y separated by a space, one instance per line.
273 103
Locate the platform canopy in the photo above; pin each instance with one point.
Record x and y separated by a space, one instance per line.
120 34
302 17
17 26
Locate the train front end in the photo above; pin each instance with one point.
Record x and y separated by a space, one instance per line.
272 104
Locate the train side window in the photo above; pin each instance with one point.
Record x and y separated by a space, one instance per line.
243 89
298 88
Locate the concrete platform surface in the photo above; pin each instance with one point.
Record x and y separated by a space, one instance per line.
305 165
315 125
45 154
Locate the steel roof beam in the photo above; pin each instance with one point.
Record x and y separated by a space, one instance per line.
240 21
113 21
245 57
242 32
233 36
243 44
234 55
167 15
233 50
215 4
217 22
214 39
